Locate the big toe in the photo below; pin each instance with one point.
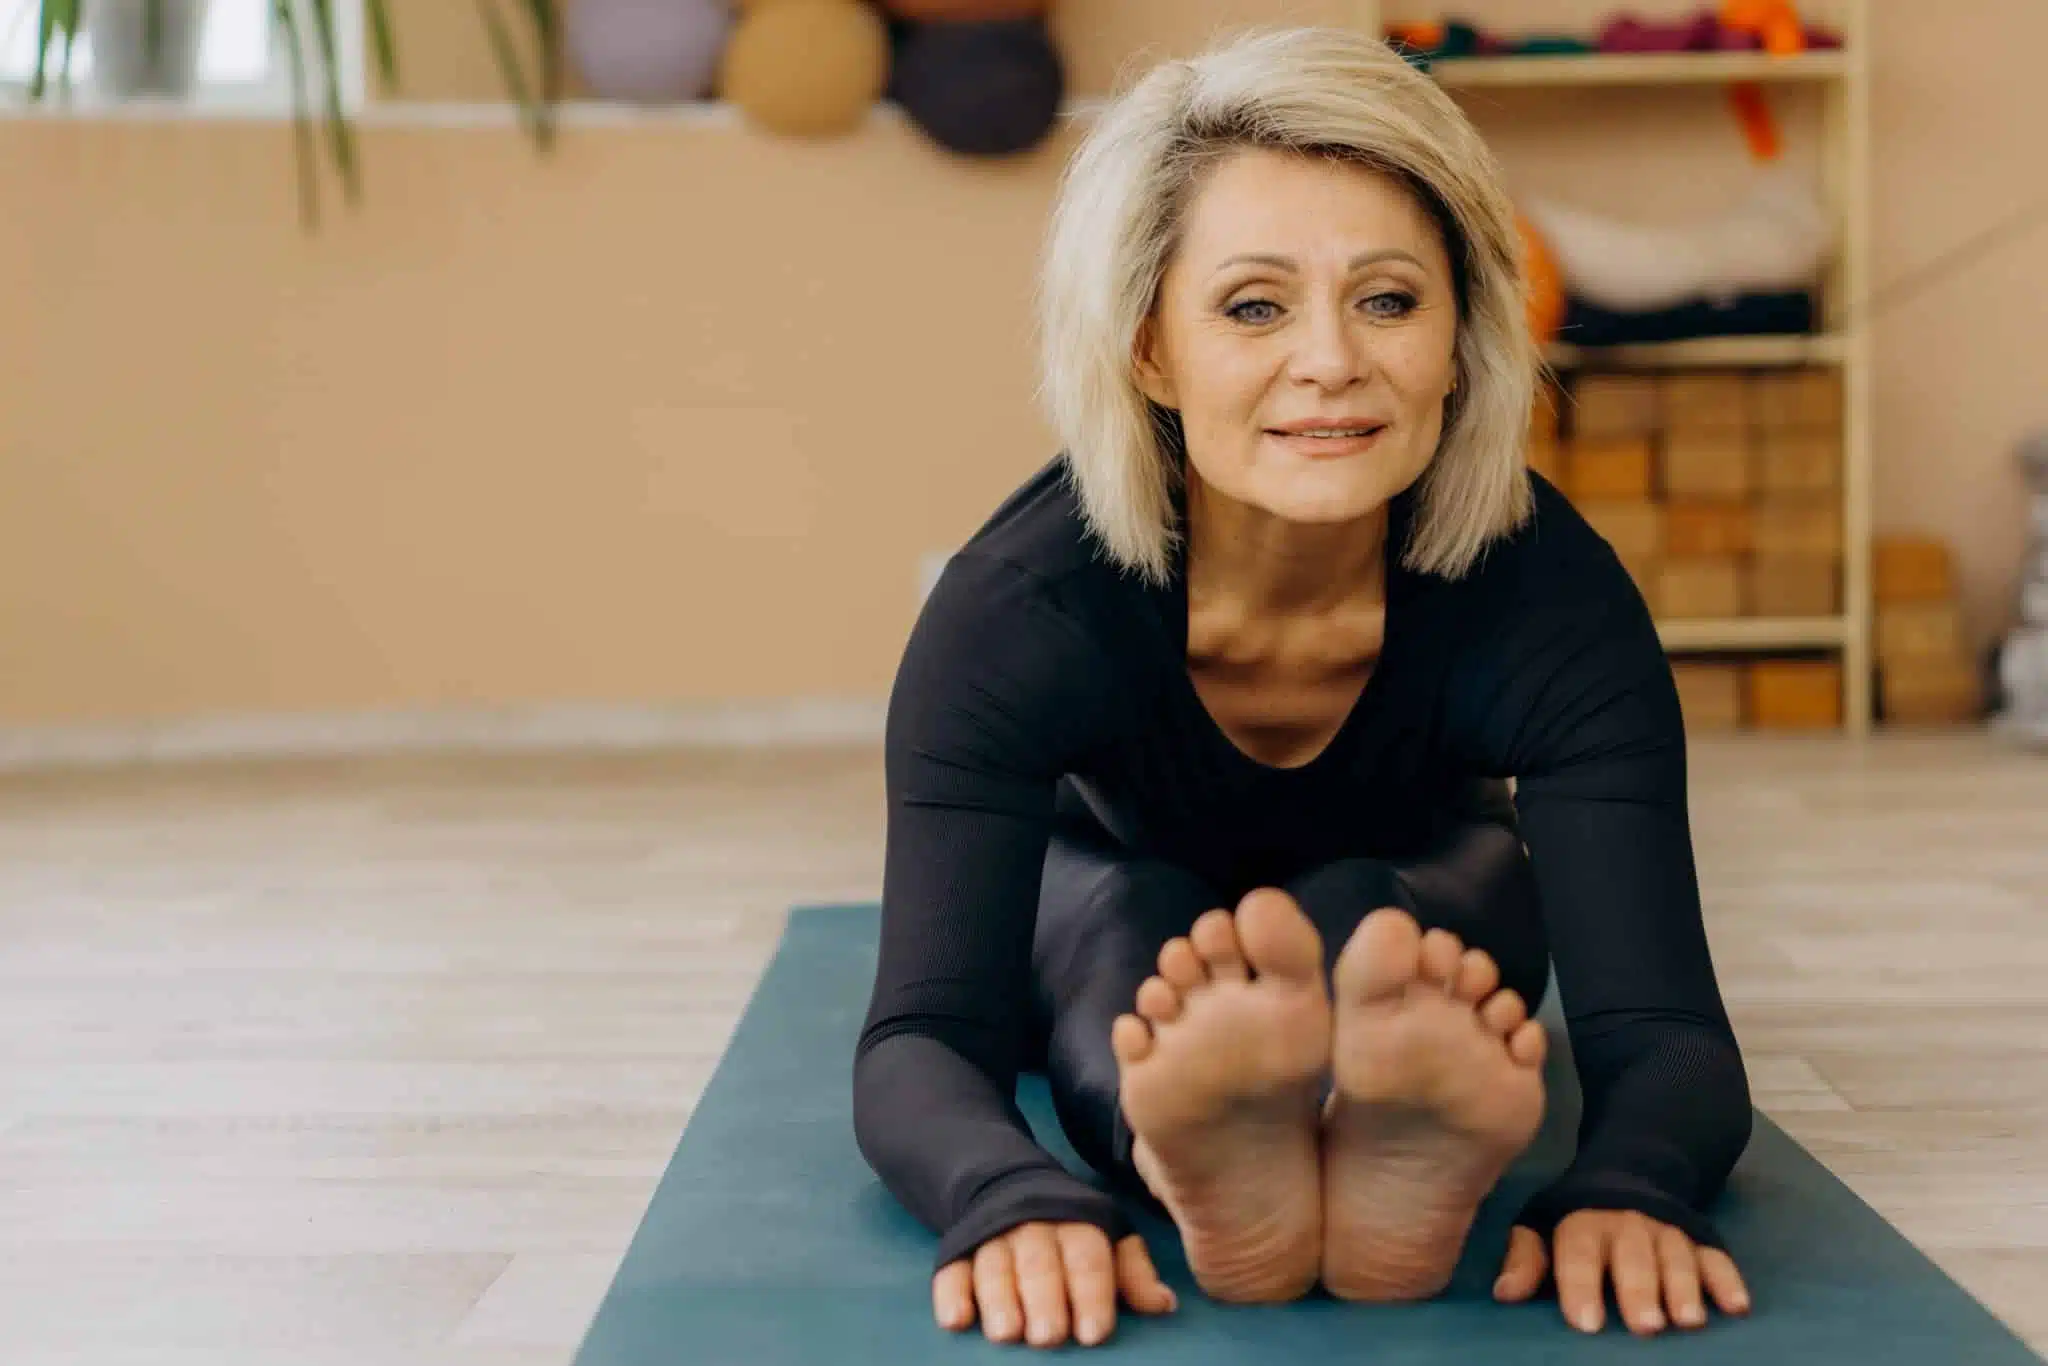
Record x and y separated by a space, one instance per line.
1278 939
1382 958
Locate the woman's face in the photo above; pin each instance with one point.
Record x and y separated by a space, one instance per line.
1305 295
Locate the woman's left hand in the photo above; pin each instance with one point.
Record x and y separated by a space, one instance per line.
1656 1269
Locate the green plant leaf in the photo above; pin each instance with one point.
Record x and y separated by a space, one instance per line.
54 17
507 52
547 28
302 121
384 43
340 133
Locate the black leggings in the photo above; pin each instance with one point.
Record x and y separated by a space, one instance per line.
1104 915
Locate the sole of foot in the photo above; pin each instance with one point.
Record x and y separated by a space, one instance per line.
1222 1067
1438 1087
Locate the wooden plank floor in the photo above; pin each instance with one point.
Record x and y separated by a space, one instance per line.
379 1061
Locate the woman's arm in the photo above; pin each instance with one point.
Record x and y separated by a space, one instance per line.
1573 695
990 703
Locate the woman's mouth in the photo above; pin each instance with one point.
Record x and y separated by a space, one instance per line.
1330 441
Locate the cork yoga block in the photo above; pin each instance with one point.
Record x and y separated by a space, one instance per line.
1799 462
1809 399
1614 405
1911 569
1706 401
1933 691
1919 630
1700 586
1794 586
1709 694
1634 527
1704 528
1708 464
1797 526
1794 694
1609 467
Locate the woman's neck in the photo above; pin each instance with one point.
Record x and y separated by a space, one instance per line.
1266 566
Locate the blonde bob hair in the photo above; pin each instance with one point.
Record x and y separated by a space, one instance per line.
1116 222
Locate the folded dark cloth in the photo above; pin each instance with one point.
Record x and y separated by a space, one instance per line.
1744 315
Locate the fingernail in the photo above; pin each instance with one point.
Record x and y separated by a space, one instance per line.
1742 1304
1091 1331
1692 1316
1653 1321
1172 1301
999 1324
1589 1320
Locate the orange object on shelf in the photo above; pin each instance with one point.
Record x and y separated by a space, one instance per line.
1775 21
1794 694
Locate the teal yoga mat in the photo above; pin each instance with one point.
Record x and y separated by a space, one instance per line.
770 1243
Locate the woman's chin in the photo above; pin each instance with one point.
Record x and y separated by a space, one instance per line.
1324 498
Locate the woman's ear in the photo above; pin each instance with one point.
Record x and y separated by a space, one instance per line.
1153 380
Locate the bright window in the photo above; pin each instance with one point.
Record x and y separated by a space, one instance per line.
243 60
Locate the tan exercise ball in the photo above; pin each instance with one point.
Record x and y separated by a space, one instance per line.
806 67
950 11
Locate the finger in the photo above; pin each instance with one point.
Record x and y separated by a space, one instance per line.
1041 1283
1139 1279
1581 1273
1638 1279
953 1295
1724 1282
995 1291
1522 1269
1091 1281
1681 1277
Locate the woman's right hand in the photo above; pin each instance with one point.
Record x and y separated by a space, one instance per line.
1039 1282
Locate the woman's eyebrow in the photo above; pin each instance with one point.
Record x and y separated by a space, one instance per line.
1363 259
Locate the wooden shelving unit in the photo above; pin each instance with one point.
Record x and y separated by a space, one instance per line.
1842 79
1687 68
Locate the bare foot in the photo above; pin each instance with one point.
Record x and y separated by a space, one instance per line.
1439 1086
1221 1079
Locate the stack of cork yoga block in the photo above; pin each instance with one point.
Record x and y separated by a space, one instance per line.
1721 492
1924 671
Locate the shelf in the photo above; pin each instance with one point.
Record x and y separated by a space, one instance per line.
1662 68
1754 633
1702 353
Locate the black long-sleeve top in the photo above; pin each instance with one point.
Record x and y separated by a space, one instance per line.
1038 669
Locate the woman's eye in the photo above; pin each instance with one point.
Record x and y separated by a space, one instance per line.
1237 311
1392 305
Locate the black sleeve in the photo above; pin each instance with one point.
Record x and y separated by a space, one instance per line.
991 702
1571 693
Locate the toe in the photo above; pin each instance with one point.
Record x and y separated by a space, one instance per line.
1181 966
1215 938
1528 1044
1382 957
1158 1001
1278 940
1442 952
1130 1039
1503 1012
1477 978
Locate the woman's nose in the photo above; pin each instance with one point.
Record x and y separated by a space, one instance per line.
1331 352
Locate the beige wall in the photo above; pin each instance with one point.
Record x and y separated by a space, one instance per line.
676 416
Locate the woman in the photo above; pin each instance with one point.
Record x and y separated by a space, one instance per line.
1195 761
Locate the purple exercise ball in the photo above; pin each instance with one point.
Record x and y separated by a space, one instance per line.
648 51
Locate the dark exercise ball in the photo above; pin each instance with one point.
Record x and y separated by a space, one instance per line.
979 87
